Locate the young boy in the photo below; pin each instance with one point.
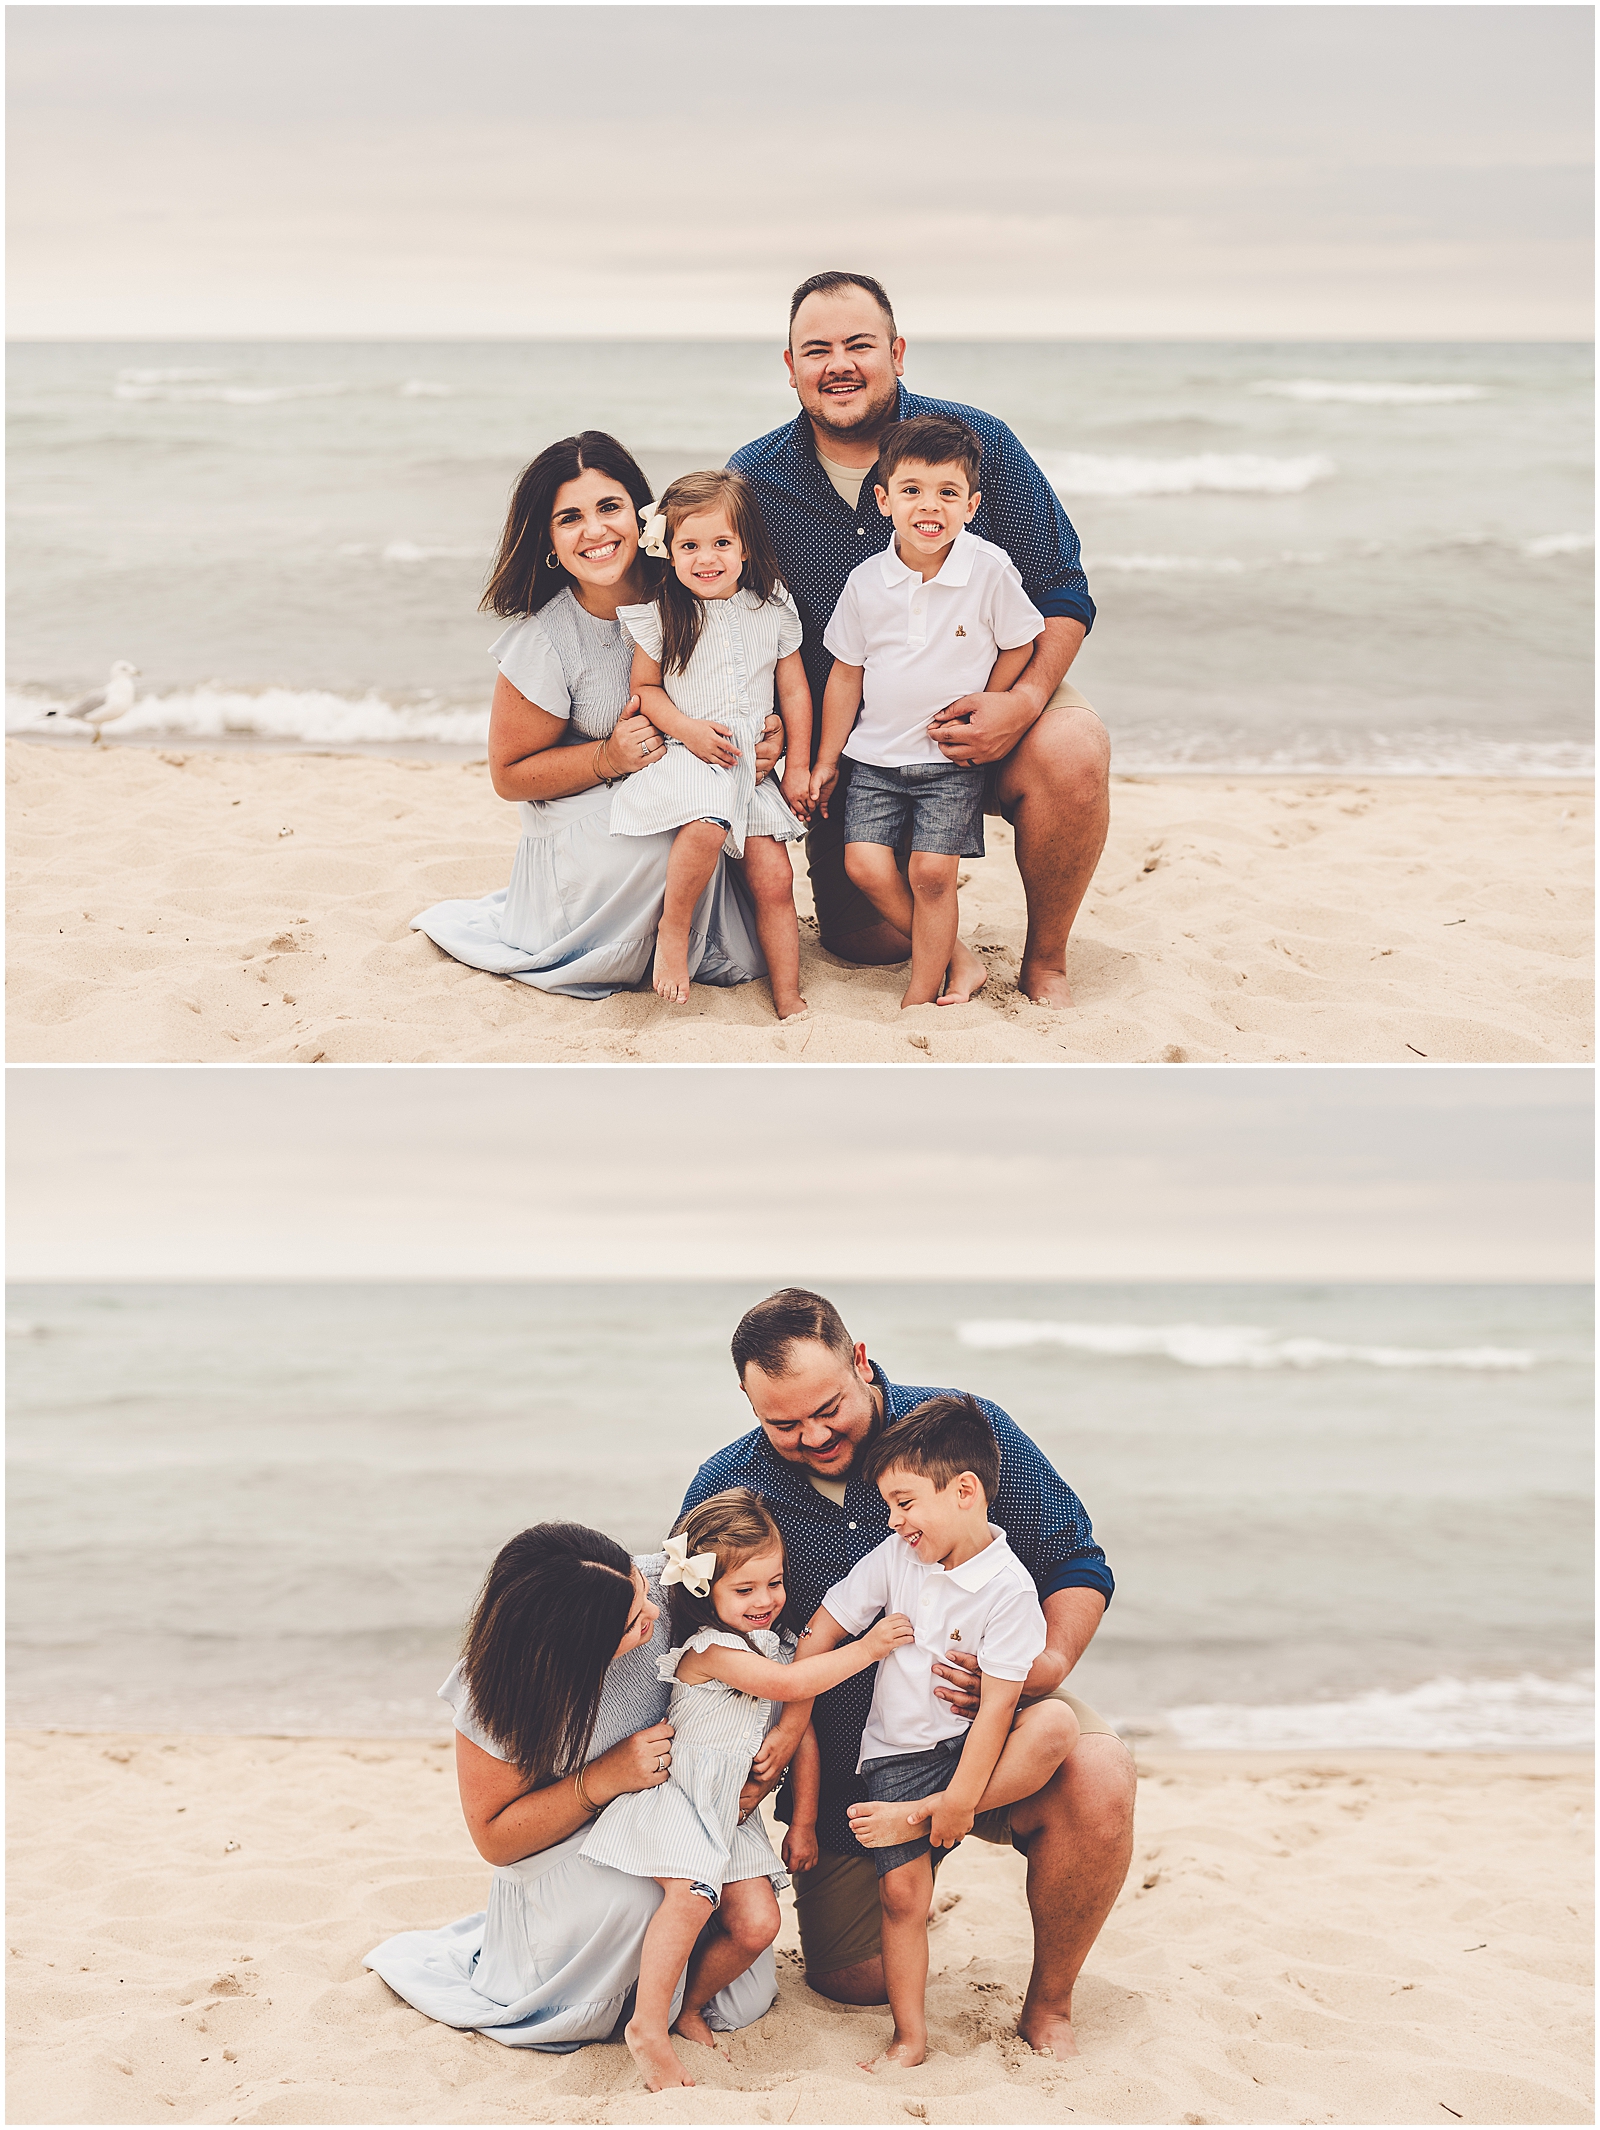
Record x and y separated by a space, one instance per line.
938 615
951 1572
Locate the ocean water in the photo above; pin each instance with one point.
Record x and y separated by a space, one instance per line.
1356 1516
1344 557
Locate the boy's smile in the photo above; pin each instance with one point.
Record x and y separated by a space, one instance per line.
937 1523
928 506
707 555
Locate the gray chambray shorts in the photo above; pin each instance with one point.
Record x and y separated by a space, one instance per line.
902 1777
942 801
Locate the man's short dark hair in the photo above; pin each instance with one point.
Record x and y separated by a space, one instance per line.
771 1328
938 1441
932 440
830 283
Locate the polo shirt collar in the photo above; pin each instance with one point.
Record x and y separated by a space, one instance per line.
983 1567
956 568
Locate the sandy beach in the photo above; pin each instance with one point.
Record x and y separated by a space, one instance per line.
207 905
1361 1938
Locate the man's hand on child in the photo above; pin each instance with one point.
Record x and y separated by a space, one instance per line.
771 1760
893 1630
799 1851
962 1686
712 743
822 783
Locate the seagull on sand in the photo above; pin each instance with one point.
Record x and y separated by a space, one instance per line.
114 700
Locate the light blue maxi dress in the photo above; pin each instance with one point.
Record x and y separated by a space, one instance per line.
554 1960
689 1828
581 910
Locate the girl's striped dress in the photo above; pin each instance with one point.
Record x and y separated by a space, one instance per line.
729 679
689 1827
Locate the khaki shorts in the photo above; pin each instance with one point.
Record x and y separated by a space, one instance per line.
837 1901
840 905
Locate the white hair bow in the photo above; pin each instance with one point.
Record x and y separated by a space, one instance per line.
693 1570
653 539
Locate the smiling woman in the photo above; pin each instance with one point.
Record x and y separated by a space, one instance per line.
581 911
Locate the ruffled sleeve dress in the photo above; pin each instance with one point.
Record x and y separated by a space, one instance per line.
581 911
729 678
689 1826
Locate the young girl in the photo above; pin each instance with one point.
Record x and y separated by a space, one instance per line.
718 634
729 1667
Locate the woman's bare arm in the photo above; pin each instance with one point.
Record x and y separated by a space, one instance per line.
527 757
508 1821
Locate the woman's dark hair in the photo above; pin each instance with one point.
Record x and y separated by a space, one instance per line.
521 581
681 613
735 1525
546 1624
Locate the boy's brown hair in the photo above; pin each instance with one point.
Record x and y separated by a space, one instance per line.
938 1441
932 440
682 614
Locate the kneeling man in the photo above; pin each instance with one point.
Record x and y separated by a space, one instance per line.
820 1401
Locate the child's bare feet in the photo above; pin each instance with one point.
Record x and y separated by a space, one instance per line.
656 2058
881 1826
902 2053
965 978
670 975
692 2026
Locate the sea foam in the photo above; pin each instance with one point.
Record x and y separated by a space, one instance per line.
1317 390
1227 1346
315 715
166 385
1558 544
1086 473
1443 1715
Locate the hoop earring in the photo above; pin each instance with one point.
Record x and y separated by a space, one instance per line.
550 561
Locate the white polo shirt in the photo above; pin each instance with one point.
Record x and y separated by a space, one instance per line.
925 645
988 1608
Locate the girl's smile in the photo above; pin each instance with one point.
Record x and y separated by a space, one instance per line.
752 1595
707 555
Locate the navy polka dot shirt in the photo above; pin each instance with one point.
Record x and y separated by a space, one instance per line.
819 539
1046 1526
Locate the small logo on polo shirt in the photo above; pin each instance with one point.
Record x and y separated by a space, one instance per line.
961 632
955 1632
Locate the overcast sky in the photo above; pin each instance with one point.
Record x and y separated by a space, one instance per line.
448 1172
1340 172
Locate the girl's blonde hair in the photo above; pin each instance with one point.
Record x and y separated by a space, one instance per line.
735 1525
682 615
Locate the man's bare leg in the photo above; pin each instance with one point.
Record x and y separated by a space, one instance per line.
1079 1836
1074 1876
1055 788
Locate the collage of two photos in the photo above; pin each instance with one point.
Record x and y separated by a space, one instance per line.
903 1430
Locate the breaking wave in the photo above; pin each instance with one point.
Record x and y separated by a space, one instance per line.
1444 1715
1086 473
1227 1346
1318 390
1558 544
315 715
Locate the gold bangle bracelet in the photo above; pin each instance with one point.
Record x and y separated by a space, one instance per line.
583 1796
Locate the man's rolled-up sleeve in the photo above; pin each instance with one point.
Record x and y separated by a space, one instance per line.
1027 520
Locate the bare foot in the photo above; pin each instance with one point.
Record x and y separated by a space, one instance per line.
794 1009
656 2058
927 995
692 2026
880 1826
904 2054
1045 986
1047 2033
670 975
965 978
